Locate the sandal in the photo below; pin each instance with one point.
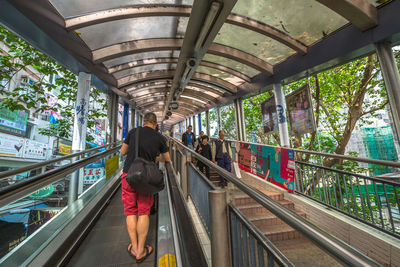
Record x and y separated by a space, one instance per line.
148 252
129 250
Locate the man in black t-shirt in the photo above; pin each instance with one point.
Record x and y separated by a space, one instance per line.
150 143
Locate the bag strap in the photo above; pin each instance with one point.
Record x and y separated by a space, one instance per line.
137 142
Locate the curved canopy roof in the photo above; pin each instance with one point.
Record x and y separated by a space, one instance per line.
199 53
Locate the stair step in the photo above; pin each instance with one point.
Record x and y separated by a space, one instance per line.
260 220
279 232
243 198
255 208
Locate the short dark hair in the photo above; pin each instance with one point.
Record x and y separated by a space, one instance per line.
190 126
204 137
150 118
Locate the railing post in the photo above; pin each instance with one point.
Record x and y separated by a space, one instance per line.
219 228
184 175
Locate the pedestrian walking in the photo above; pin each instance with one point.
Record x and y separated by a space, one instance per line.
222 154
137 206
189 138
204 149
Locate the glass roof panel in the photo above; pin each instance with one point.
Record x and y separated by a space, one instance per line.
78 7
253 43
220 74
304 20
145 68
140 56
202 91
114 32
231 64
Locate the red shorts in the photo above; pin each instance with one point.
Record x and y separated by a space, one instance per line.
135 203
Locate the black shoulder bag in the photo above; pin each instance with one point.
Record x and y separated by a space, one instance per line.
144 176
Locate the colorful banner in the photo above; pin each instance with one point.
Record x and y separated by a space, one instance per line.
13 122
62 147
269 117
273 164
301 114
112 165
92 175
35 150
11 146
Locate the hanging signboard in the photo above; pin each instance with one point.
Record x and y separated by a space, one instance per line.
273 164
62 147
35 150
92 175
301 113
269 117
13 122
11 146
43 192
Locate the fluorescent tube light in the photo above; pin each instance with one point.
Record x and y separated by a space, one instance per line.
212 13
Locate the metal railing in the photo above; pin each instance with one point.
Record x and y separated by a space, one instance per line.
35 244
338 249
48 162
249 244
372 200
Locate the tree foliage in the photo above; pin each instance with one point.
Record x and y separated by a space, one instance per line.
21 56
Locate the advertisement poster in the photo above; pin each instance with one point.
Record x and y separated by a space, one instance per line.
62 147
12 233
13 122
112 165
273 164
11 146
300 111
35 150
269 117
92 175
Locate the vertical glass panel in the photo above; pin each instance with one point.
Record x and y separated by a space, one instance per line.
140 56
305 20
231 64
253 43
228 121
220 74
78 7
146 68
114 32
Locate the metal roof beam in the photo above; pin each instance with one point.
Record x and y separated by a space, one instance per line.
163 44
153 61
360 13
182 11
168 74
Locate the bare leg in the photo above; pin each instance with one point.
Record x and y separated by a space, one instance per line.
131 225
142 230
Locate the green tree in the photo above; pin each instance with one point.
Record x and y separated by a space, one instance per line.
22 56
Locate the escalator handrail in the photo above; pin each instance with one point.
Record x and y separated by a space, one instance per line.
336 247
18 190
45 163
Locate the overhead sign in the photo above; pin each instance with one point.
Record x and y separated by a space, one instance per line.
11 146
13 122
35 150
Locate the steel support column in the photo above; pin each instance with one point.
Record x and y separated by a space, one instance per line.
219 228
219 118
194 124
243 123
125 121
133 118
208 123
392 80
281 113
79 133
199 122
239 119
